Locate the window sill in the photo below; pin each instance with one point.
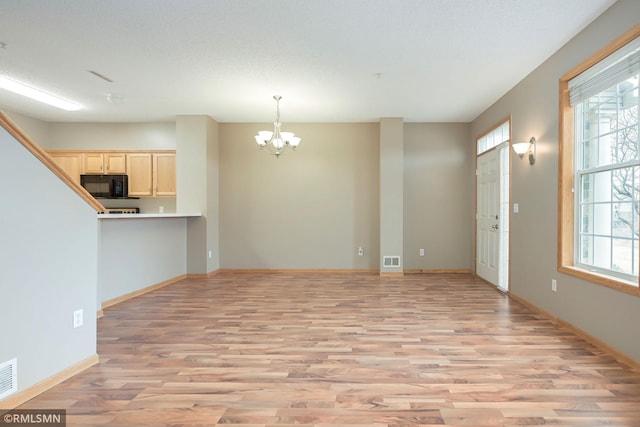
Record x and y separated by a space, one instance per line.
608 281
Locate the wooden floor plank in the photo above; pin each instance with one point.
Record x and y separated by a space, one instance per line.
341 350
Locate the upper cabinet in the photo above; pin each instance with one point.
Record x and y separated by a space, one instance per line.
71 163
140 171
104 162
164 174
151 173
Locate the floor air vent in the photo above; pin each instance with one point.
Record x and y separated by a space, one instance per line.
391 261
8 378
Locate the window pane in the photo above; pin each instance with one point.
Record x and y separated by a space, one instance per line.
586 250
602 187
624 184
602 252
586 188
602 219
493 138
609 123
625 223
482 144
586 223
622 255
636 257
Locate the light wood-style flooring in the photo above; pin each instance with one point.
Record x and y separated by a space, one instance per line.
341 350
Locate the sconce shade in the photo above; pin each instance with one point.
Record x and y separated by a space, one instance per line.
522 148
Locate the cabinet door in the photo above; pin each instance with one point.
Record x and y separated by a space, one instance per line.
139 167
92 163
164 174
115 163
71 163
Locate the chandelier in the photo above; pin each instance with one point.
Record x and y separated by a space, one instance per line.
277 142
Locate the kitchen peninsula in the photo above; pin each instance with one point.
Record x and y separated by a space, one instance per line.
140 252
148 215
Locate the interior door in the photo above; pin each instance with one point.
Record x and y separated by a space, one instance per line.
488 217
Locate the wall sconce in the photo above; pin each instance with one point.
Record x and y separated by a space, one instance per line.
522 148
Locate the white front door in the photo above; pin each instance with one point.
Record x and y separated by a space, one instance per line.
488 217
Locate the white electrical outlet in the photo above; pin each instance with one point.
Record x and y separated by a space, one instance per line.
210 254
421 252
77 318
554 285
516 208
360 251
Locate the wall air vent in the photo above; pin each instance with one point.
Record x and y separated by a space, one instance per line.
8 378
390 261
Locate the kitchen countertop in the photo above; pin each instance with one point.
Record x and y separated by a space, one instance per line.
148 215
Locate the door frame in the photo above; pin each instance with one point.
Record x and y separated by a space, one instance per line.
504 261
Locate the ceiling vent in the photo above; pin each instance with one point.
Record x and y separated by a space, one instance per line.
101 76
8 378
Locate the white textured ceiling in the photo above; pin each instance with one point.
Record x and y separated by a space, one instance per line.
330 60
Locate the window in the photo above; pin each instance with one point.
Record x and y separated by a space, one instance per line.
600 167
493 138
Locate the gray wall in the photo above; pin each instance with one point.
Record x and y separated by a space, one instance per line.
48 268
138 253
607 314
391 192
317 205
111 136
213 195
309 209
312 208
439 195
197 150
36 129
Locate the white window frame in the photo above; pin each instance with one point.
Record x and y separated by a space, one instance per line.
591 229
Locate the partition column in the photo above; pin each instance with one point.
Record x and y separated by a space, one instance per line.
391 195
197 187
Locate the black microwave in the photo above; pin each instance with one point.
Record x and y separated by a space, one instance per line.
109 186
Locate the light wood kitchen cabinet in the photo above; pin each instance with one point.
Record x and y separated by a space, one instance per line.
104 163
139 169
151 174
164 174
71 163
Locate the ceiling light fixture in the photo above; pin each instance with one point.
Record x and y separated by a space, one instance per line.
37 94
277 142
